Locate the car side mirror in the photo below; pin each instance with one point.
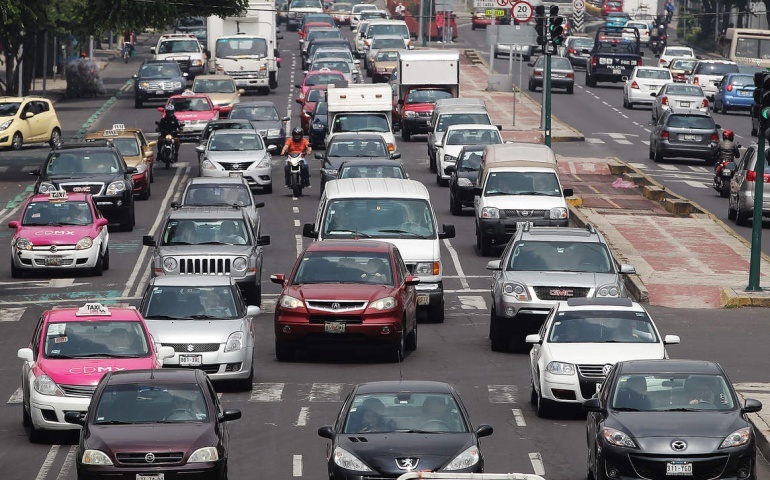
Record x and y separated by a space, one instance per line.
200 148
165 352
450 169
531 64
477 191
448 232
148 241
285 119
751 406
26 354
484 430
263 240
259 204
13 224
297 85
627 269
400 102
326 432
698 57
160 109
35 172
102 222
131 170
175 205
494 265
411 280
533 338
499 128
253 310
319 156
75 418
278 278
395 156
241 91
568 192
653 94
641 54
272 148
671 340
152 50
185 74
309 231
28 115
230 415
718 126
592 405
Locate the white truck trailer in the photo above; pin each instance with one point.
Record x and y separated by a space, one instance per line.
361 108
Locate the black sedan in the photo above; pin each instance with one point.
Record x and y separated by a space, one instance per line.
667 418
463 175
345 147
265 119
386 429
153 423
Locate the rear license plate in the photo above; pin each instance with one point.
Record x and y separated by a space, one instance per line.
690 138
190 360
679 468
617 71
334 327
744 94
684 104
157 476
53 261
236 174
423 300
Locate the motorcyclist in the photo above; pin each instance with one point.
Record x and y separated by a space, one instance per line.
169 125
728 151
297 143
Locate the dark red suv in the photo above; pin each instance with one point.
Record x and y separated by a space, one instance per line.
347 293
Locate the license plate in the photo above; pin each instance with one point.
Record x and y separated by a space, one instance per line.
159 92
53 261
236 174
557 75
157 476
684 104
617 71
190 360
679 468
423 299
334 327
726 172
744 94
690 138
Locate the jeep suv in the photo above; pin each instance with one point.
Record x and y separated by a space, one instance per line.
97 168
545 265
210 241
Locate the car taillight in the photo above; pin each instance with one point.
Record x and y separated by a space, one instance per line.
664 101
751 176
705 103
662 61
594 61
538 73
714 137
639 62
729 88
664 135
570 75
635 85
696 81
572 51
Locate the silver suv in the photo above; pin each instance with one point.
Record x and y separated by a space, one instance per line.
545 265
740 206
210 241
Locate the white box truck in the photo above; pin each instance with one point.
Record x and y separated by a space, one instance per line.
361 108
246 47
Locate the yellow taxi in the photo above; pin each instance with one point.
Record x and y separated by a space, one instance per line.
220 89
25 120
136 151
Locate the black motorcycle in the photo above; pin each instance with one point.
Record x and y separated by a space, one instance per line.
166 148
723 174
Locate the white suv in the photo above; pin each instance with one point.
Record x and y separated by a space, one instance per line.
184 49
708 74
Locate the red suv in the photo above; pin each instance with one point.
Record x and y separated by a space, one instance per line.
609 6
347 293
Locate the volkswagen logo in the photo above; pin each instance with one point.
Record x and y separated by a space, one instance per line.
679 445
335 306
53 249
606 369
149 458
191 348
407 463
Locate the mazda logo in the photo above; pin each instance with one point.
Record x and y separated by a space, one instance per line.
335 306
606 369
679 445
407 463
149 458
190 348
53 248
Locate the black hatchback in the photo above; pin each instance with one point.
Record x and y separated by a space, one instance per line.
96 168
462 178
386 429
669 418
158 80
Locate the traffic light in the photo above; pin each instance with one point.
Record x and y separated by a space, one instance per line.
540 25
555 30
762 97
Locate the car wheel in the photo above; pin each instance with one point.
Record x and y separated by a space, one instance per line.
570 89
106 259
34 435
137 103
254 295
406 134
497 333
531 86
753 129
454 205
658 156
473 27
436 312
589 472
283 352
543 406
16 272
128 226
400 348
731 212
432 164
151 171
486 245
247 384
650 153
723 108
55 137
625 102
17 141
98 269
724 192
742 218
145 195
411 340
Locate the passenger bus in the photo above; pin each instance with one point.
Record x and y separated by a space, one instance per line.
748 46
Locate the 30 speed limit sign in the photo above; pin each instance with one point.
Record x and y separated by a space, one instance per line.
521 11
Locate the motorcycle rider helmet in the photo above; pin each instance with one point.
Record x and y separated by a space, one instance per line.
728 135
296 134
170 108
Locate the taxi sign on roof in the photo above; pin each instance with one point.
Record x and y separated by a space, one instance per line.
91 309
111 133
118 126
57 195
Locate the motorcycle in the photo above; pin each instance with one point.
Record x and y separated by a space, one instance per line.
295 173
657 45
166 149
723 175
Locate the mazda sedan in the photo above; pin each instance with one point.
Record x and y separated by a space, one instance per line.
670 419
389 428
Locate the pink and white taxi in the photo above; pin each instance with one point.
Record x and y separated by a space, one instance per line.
60 230
70 351
194 111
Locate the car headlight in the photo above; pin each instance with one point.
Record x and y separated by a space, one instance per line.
169 264
264 163
387 303
450 159
23 243
44 385
611 290
410 114
464 182
560 368
490 212
617 438
234 342
46 187
348 461
5 124
240 264
144 85
516 290
737 438
274 132
141 167
424 268
318 125
95 457
196 63
83 243
287 301
558 213
176 85
208 165
467 459
116 188
205 454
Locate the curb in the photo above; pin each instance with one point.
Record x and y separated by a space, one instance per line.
760 426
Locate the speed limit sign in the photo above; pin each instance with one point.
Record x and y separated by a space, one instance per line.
578 5
521 11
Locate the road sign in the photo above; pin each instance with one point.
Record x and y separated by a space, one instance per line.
484 4
578 20
490 12
578 5
501 3
522 11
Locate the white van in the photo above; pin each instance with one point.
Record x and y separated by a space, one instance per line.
393 210
518 182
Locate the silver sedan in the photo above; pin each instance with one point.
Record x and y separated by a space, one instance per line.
347 67
680 96
230 153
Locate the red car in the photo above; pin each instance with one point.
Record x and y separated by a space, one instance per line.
314 95
310 25
347 293
324 76
609 6
480 18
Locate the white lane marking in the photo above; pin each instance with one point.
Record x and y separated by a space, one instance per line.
267 392
645 142
303 414
296 466
617 136
296 223
12 314
518 417
47 462
456 262
502 393
624 115
604 102
670 168
298 239
68 462
694 184
325 392
60 282
537 463
647 130
638 165
594 140
614 108
468 290
695 168
472 302
219 395
637 124
29 168
17 397
623 142
295 209
3 169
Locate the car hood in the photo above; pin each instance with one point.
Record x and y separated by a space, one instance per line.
236 156
204 250
266 124
389 64
603 353
56 235
88 371
222 98
166 437
380 450
193 331
562 279
336 291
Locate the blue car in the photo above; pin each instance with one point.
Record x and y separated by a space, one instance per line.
617 20
734 92
319 125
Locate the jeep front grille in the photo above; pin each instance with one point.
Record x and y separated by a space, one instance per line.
204 266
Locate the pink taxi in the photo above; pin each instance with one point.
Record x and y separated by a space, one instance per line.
323 76
194 111
60 230
70 351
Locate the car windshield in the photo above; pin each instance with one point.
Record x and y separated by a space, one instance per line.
716 68
470 161
361 122
214 86
684 90
314 95
468 136
742 80
447 120
582 43
179 46
357 148
240 47
95 339
387 29
333 54
320 109
344 267
683 64
211 194
209 303
156 70
378 43
9 109
340 7
323 79
363 6
190 104
323 34
390 57
653 74
678 52
691 121
555 256
379 218
672 392
127 146
57 213
424 95
69 164
355 170
602 326
205 232
405 412
154 402
306 4
260 113
518 183
235 143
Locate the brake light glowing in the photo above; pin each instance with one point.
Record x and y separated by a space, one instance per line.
538 73
729 88
664 101
570 75
594 61
696 81
705 104
664 135
572 51
714 137
639 62
635 85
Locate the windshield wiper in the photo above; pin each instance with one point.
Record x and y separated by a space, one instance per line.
162 317
203 317
533 193
626 409
404 232
349 232
113 422
214 243
680 409
61 355
414 431
178 243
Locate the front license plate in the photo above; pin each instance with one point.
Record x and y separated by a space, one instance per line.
159 92
684 104
53 261
190 360
690 138
334 327
679 468
157 476
617 71
236 174
423 299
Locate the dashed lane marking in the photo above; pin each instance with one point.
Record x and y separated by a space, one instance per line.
303 415
698 169
267 392
472 302
502 393
537 463
518 417
296 222
17 397
298 240
594 140
325 392
69 460
46 466
296 466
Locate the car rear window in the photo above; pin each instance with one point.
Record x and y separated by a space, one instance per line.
691 121
686 90
716 68
678 52
742 80
654 74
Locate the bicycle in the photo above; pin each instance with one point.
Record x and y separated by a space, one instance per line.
126 52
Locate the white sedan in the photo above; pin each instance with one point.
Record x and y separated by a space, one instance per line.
642 82
579 343
670 53
458 136
642 27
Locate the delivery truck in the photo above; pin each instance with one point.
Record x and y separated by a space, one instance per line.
361 108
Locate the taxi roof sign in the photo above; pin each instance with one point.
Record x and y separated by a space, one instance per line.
57 195
118 126
91 309
111 133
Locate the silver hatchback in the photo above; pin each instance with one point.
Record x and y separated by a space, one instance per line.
741 201
206 322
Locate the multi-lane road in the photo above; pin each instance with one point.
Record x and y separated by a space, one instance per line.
277 435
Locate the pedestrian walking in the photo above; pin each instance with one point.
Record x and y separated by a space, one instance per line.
669 10
440 26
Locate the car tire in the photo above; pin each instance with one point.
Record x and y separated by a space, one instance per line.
34 435
283 352
724 192
731 212
432 164
137 103
411 340
722 109
543 407
531 86
742 218
145 195
128 226
436 312
400 349
589 473
497 334
246 384
454 205
473 27
17 141
486 245
98 269
406 134
650 153
625 102
753 129
254 295
16 272
55 137
106 259
571 90
658 156
532 393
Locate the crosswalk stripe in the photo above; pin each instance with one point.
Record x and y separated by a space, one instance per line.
46 466
12 314
3 169
668 167
694 184
267 392
502 393
646 142
17 397
623 142
594 140
325 392
640 166
698 169
472 302
302 418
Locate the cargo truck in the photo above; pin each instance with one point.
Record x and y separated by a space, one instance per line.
361 108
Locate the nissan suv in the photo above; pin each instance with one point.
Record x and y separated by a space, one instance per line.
184 49
542 266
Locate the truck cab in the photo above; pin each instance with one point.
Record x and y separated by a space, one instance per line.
184 49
